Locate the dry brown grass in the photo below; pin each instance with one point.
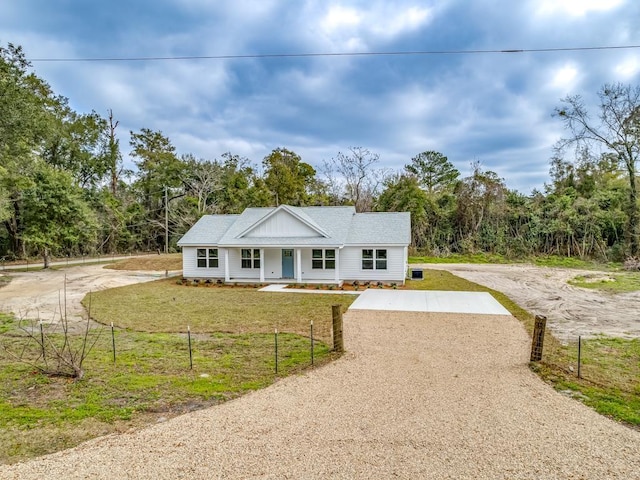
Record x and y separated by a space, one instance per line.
170 262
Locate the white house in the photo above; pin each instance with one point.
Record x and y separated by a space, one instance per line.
298 245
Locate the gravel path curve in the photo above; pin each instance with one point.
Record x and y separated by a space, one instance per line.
418 395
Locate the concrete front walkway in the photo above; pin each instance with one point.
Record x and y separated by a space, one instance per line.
281 287
417 396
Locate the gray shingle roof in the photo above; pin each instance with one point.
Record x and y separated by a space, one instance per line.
208 230
342 225
380 228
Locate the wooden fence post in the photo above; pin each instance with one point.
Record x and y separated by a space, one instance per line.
538 338
338 345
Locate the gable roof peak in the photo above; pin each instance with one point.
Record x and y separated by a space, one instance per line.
296 212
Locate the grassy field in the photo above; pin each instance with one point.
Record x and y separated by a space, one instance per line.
166 306
459 258
610 374
150 379
619 282
232 333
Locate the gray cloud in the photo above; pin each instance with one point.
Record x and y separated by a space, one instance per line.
495 108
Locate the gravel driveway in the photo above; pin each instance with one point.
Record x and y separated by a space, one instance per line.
418 395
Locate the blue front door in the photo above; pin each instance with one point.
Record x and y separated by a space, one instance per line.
287 263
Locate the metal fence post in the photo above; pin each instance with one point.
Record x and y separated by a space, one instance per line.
338 344
538 338
113 342
190 352
44 358
276 350
579 355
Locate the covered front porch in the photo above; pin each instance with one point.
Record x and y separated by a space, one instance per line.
282 265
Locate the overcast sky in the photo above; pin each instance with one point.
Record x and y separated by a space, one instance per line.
495 108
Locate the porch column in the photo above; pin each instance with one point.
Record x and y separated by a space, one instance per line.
262 265
227 278
298 265
337 272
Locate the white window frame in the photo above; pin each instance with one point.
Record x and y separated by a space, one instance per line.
326 260
378 259
250 255
209 256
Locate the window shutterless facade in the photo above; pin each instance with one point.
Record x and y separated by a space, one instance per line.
207 257
250 258
374 259
323 259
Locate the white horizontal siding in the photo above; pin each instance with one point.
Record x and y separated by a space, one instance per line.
235 266
273 263
309 273
351 265
190 267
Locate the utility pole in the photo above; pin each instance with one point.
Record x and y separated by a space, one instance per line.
166 221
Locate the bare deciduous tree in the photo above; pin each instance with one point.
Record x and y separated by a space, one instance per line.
58 352
362 181
616 130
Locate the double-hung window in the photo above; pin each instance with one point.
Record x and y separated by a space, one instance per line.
381 259
250 258
323 259
373 259
207 257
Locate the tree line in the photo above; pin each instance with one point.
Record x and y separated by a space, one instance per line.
64 189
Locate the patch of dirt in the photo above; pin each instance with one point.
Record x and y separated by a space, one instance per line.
40 295
570 310
149 263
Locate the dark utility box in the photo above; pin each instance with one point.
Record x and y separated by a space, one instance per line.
416 274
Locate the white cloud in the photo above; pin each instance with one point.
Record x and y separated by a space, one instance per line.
404 21
413 103
354 29
576 8
628 68
564 78
341 17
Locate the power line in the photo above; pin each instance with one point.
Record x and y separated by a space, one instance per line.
336 54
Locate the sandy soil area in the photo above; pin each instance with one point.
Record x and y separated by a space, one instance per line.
570 311
40 294
418 395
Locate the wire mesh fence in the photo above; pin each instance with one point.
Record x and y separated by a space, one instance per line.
218 353
608 362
